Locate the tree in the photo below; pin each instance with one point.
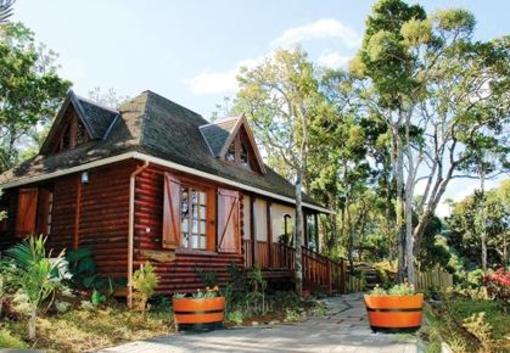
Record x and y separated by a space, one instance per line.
30 90
441 94
467 236
338 170
110 98
38 274
281 99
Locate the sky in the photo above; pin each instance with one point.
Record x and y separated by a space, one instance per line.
190 51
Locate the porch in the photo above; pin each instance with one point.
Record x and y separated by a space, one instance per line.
277 260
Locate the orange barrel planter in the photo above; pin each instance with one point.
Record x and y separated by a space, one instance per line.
199 313
392 312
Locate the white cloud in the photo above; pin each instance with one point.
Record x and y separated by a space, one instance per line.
333 60
209 82
320 29
218 82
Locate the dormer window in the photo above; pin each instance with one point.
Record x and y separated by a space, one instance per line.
243 157
231 153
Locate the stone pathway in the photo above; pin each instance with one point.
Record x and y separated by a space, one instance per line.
344 329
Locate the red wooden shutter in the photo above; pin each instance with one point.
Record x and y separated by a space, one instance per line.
228 221
171 212
26 214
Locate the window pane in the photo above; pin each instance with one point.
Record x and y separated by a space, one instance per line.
203 242
184 203
203 198
195 244
202 227
203 213
194 228
185 240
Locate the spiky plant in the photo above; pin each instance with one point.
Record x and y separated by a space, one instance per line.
6 10
38 274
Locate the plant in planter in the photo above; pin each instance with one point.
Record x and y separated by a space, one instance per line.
145 282
199 310
398 308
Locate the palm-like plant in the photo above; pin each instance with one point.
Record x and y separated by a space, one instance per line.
38 274
6 10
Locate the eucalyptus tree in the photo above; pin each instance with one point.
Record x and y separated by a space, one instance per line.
281 99
439 92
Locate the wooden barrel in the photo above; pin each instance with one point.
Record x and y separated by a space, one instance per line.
394 312
202 313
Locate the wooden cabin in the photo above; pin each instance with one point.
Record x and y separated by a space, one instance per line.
154 181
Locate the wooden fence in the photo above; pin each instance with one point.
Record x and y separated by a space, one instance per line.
436 278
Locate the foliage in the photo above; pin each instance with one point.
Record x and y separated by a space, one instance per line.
498 284
82 330
85 274
207 293
37 274
235 317
464 234
478 326
208 278
145 281
30 90
7 340
401 289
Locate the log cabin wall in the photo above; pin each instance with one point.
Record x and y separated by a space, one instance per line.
103 215
177 269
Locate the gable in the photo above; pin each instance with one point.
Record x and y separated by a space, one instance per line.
70 133
232 140
78 121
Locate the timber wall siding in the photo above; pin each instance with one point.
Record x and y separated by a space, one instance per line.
180 273
103 221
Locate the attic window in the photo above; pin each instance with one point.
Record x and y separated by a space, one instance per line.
231 153
74 134
243 157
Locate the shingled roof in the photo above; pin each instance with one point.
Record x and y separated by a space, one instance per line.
152 125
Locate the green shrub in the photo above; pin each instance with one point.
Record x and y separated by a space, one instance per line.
145 282
9 341
398 290
235 317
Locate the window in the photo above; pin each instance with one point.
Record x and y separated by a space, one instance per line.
50 211
231 153
193 218
243 158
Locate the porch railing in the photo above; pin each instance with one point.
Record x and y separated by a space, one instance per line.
319 272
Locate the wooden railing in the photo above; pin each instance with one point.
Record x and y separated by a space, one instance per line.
319 272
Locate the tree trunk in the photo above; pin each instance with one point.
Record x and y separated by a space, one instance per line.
399 175
483 220
409 236
32 320
299 233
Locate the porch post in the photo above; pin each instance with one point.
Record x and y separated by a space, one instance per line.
269 234
252 231
316 221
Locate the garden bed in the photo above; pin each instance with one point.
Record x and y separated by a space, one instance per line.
82 330
468 325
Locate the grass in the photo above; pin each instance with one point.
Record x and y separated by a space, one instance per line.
7 340
447 321
81 330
